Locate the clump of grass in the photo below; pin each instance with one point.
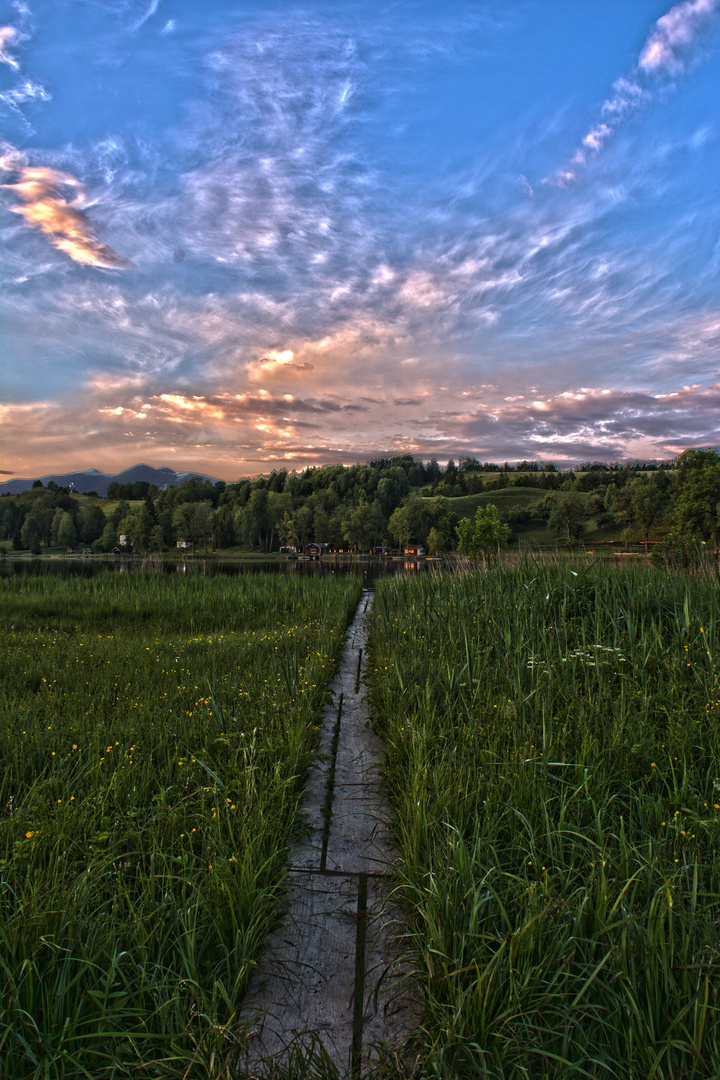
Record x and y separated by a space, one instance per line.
553 753
154 738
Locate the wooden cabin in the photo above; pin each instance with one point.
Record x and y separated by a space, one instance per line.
315 551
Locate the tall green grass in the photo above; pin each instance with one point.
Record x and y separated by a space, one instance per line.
553 754
154 737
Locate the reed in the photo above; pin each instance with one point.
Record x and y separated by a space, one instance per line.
154 737
553 755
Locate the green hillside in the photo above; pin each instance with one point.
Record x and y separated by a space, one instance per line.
504 499
536 532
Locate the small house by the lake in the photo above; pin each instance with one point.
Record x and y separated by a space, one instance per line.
315 551
185 543
414 549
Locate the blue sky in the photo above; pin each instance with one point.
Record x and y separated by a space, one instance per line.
244 235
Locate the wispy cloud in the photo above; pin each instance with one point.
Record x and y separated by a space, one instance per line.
665 52
51 201
147 14
26 90
23 92
8 37
673 34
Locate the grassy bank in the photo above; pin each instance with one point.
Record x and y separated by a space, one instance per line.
154 733
553 754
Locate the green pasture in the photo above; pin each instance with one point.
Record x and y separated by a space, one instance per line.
552 748
154 735
504 499
536 532
108 506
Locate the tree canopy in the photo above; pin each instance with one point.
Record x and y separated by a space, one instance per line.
697 507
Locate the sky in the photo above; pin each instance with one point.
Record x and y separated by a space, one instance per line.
239 236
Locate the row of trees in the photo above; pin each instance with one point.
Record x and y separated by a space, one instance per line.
362 506
471 464
687 499
641 503
54 520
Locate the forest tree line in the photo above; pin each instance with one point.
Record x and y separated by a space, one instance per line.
389 501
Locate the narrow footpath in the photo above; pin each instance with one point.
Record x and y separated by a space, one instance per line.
330 971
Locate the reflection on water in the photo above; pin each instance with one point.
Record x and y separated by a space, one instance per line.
78 567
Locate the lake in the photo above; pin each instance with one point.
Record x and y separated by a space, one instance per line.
371 569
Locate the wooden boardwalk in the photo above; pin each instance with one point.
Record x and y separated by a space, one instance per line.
331 973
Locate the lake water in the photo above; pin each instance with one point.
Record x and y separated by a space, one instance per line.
371 569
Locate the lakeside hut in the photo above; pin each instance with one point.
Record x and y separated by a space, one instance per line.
315 550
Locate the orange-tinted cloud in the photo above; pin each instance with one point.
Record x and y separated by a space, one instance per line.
230 435
51 203
274 362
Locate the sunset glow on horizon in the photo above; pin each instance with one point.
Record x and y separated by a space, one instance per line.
240 237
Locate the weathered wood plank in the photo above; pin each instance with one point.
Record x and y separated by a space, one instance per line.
306 986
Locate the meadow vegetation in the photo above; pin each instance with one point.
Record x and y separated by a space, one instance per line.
552 753
552 745
154 736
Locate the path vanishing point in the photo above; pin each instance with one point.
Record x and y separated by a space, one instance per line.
330 974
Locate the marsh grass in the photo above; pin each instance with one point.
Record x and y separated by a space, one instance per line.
154 737
553 754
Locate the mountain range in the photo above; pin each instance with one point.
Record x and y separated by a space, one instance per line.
92 480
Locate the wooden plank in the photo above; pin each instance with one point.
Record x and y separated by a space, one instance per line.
340 926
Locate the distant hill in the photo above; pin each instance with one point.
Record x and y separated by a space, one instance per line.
92 480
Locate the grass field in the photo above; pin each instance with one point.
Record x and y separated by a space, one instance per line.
552 749
504 499
154 733
108 506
